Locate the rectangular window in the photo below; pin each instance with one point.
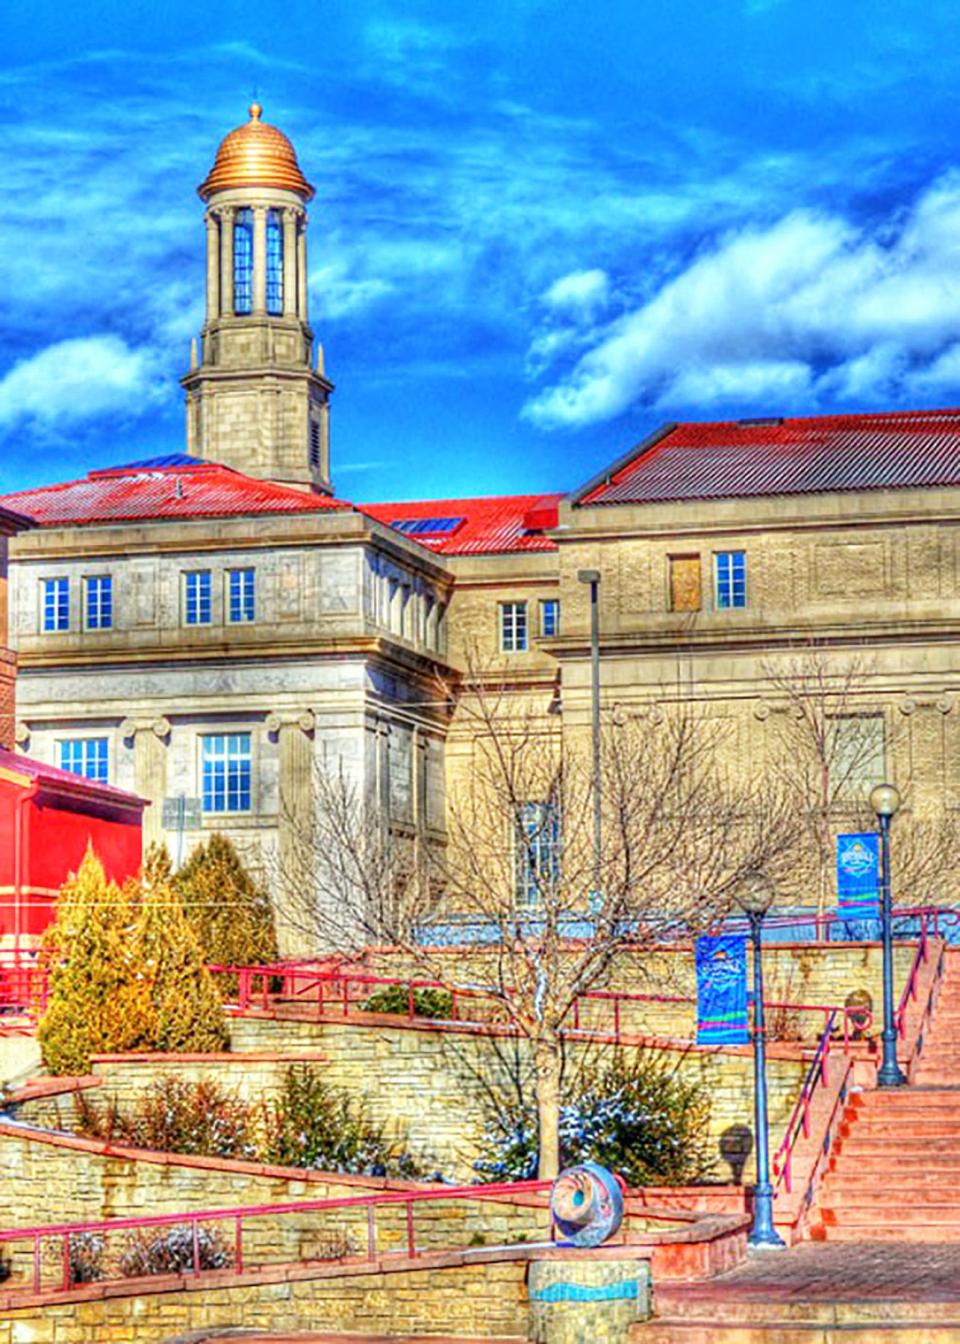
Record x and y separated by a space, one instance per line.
85 756
536 852
243 262
855 755
730 579
242 602
196 597
225 760
274 263
315 443
100 602
513 627
56 604
550 617
685 586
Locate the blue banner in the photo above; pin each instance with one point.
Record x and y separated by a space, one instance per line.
858 875
722 990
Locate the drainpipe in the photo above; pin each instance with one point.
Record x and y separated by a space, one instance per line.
20 855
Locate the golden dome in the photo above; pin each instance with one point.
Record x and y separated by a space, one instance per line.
256 155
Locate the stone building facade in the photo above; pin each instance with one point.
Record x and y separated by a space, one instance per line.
211 625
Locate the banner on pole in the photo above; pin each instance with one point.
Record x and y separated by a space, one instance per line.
721 963
858 875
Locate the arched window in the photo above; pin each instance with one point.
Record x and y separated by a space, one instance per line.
274 262
243 262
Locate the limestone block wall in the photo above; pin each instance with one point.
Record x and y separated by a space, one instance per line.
485 1299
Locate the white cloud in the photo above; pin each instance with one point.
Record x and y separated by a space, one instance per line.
581 294
77 380
811 306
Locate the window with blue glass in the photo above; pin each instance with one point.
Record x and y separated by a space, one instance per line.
100 602
274 262
226 766
731 579
56 604
243 262
85 756
197 597
537 852
242 599
550 617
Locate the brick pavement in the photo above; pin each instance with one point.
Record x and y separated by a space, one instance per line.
841 1272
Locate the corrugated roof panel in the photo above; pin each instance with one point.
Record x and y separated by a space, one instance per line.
745 459
129 494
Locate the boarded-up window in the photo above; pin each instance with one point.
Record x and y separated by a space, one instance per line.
685 589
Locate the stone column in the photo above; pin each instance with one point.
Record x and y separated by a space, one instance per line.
149 738
294 733
226 261
302 270
290 262
259 258
213 266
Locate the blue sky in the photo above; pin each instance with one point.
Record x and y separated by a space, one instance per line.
541 228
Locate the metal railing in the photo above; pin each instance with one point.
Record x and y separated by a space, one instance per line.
342 994
68 1235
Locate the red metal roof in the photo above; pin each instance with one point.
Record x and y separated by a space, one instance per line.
896 450
54 780
491 525
127 494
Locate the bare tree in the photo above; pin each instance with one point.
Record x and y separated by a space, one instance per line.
679 833
830 739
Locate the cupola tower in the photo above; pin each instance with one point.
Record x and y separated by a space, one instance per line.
257 400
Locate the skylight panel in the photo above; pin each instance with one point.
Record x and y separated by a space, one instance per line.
427 527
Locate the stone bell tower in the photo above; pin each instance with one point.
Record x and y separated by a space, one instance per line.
255 401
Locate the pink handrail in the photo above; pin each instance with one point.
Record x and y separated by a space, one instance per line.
799 1122
237 1215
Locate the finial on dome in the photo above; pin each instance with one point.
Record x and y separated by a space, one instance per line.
256 111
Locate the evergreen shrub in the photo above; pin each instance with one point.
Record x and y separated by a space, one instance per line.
637 1117
228 911
427 1002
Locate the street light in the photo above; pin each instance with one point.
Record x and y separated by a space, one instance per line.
754 895
885 801
592 577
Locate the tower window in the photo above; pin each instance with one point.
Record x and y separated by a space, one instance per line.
243 262
315 444
274 263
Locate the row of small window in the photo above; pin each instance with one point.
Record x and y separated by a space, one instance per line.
243 263
225 767
729 581
514 624
197 600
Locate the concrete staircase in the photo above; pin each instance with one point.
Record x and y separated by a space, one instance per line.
895 1168
686 1321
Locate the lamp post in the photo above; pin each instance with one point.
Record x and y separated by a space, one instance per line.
755 896
885 801
592 577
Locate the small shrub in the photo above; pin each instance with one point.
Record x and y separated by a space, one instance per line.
175 1116
312 1124
86 1258
170 1250
638 1118
333 1244
427 1002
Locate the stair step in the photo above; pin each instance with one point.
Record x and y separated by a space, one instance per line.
862 1213
679 1330
873 1127
918 1233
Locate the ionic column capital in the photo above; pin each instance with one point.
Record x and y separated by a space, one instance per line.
160 727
